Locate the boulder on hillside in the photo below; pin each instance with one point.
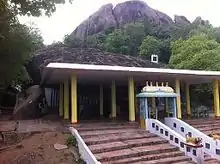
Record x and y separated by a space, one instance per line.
200 21
123 13
181 20
132 11
99 21
27 103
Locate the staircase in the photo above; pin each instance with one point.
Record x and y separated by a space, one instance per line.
126 143
205 125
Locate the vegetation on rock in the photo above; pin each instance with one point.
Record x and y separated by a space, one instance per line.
181 44
149 46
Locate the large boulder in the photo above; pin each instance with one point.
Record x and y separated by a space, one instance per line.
100 20
132 11
27 103
200 21
123 13
181 20
61 54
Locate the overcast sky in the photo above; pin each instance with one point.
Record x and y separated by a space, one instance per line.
68 16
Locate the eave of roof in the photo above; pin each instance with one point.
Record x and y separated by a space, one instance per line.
132 69
55 73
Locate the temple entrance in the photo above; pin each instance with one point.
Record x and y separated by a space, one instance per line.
156 102
89 102
160 107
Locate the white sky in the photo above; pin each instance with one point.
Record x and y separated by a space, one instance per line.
69 16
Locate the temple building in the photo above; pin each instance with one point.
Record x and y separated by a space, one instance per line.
86 90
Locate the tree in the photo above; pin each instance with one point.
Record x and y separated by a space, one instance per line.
135 32
72 41
117 42
15 49
197 52
96 41
149 46
30 7
126 40
17 41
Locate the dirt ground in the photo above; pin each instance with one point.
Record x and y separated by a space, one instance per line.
39 149
36 145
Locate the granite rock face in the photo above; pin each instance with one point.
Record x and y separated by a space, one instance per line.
123 13
181 20
100 20
131 11
200 21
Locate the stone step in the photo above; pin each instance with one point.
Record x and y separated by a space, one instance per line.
101 127
185 162
135 152
206 125
146 158
105 124
96 133
202 121
209 129
118 145
211 160
170 160
214 161
116 137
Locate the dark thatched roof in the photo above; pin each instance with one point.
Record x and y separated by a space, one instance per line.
63 54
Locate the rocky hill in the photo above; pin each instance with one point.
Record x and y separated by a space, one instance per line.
114 17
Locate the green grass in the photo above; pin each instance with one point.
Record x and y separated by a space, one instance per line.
71 141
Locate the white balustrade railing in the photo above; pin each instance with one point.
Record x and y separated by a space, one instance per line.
84 151
158 128
210 146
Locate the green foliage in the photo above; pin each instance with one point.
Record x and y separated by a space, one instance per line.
73 42
197 52
33 8
135 32
150 46
71 141
117 42
96 41
126 40
17 41
15 48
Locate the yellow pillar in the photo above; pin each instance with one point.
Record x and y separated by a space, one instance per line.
188 109
101 100
66 100
216 97
178 99
73 99
131 99
61 101
153 103
154 110
167 105
113 99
